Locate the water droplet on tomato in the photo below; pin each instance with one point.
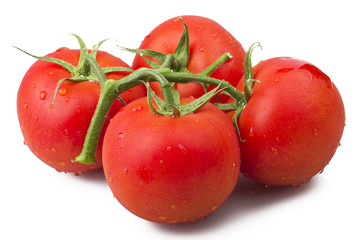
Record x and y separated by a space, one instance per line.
214 207
37 153
173 206
251 132
276 80
62 91
53 150
62 163
66 131
215 35
137 108
33 86
315 132
182 148
26 106
81 133
51 73
274 150
198 28
162 218
169 148
43 95
120 135
201 49
125 170
164 45
161 161
120 146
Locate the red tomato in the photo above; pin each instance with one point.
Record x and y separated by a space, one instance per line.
55 133
171 169
207 42
293 123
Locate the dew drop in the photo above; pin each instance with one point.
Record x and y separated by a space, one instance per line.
43 95
62 163
274 150
161 161
125 170
66 131
137 108
214 207
120 135
164 45
276 80
162 218
37 153
182 148
62 91
169 148
120 146
234 166
201 49
33 86
251 132
53 150
315 132
215 35
26 106
66 99
198 28
51 73
173 206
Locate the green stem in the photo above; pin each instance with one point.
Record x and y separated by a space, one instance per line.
107 96
213 67
182 77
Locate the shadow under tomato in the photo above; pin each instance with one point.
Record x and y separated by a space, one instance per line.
248 198
96 176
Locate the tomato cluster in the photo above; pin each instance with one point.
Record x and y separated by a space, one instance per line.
162 129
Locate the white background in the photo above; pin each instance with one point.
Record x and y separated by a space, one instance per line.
36 202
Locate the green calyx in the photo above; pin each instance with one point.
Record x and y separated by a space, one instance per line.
248 72
83 71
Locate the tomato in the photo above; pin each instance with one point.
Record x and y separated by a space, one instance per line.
207 42
293 123
55 133
171 169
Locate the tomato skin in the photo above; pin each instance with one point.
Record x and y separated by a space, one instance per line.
292 124
55 134
170 170
207 42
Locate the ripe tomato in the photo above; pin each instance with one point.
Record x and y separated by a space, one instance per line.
55 133
292 124
171 169
207 42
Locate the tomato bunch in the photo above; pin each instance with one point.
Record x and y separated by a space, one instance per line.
162 129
